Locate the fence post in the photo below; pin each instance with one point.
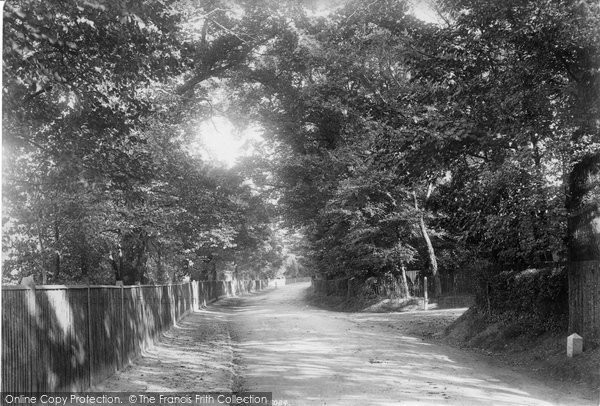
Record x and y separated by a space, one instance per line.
89 335
122 327
425 293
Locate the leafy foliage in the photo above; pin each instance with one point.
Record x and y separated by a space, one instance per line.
389 141
538 294
98 182
489 111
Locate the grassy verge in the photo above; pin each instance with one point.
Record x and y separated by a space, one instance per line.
527 345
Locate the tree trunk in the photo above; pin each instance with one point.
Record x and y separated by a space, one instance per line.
56 252
213 270
433 267
236 271
117 264
583 238
42 251
405 290
583 224
209 271
431 259
133 256
159 265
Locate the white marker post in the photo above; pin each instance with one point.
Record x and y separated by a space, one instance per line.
574 345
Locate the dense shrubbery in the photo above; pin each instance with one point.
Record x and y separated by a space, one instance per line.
536 294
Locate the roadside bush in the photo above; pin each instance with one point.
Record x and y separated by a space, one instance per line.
537 295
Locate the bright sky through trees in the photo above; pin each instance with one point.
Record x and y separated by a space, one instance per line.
219 140
421 9
424 12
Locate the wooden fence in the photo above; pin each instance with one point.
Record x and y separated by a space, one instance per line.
289 281
452 285
331 287
68 338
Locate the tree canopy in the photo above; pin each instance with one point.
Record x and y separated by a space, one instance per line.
389 141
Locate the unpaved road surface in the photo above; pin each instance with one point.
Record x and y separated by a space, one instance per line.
274 342
194 356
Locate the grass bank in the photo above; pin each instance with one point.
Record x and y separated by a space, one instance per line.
524 343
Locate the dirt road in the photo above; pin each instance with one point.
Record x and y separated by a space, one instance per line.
273 341
309 356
